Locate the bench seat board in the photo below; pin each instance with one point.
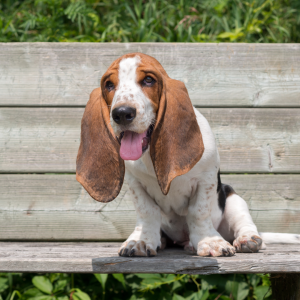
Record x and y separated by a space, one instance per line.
216 75
250 140
103 258
56 207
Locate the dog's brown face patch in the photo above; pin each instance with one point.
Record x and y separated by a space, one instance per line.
109 83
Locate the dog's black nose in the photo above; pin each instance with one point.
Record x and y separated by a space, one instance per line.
124 115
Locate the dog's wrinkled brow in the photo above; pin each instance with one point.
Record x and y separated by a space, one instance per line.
148 71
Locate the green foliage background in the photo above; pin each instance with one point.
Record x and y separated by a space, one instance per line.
264 21
133 286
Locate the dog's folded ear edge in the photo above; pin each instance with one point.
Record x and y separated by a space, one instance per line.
99 167
176 143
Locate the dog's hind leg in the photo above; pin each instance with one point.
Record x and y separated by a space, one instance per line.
237 224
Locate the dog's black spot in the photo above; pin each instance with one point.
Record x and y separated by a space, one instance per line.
224 191
219 182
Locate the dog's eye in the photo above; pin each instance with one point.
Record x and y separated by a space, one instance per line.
148 81
109 86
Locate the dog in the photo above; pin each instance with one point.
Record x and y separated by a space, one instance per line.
142 121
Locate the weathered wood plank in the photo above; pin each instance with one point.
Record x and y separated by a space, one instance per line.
249 140
102 258
56 207
215 74
108 226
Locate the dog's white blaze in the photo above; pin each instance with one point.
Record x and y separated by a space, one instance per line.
129 93
127 74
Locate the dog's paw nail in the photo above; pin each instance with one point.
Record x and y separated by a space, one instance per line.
132 252
225 252
231 251
151 252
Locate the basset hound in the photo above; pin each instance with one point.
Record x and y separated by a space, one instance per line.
141 125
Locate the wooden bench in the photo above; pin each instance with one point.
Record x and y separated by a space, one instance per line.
250 94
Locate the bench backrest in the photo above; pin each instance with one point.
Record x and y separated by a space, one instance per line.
250 94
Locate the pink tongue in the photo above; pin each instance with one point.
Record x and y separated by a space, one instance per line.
131 145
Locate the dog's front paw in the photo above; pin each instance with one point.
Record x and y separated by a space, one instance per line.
215 246
248 243
137 248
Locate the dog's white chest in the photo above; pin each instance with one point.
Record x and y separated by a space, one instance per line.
176 201
174 205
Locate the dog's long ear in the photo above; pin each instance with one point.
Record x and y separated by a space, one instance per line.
99 167
176 143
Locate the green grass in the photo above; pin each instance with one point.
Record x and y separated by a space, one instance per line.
264 21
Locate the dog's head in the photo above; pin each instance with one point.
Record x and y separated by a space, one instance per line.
138 106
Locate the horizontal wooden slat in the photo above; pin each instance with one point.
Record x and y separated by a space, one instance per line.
215 74
248 139
102 258
56 207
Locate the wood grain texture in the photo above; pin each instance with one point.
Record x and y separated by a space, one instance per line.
246 75
56 207
249 140
102 258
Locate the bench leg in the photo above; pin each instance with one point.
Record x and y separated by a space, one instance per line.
285 286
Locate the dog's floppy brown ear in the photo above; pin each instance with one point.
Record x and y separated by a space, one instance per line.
176 143
99 167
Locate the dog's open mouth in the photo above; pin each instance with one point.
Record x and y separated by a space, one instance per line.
134 144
